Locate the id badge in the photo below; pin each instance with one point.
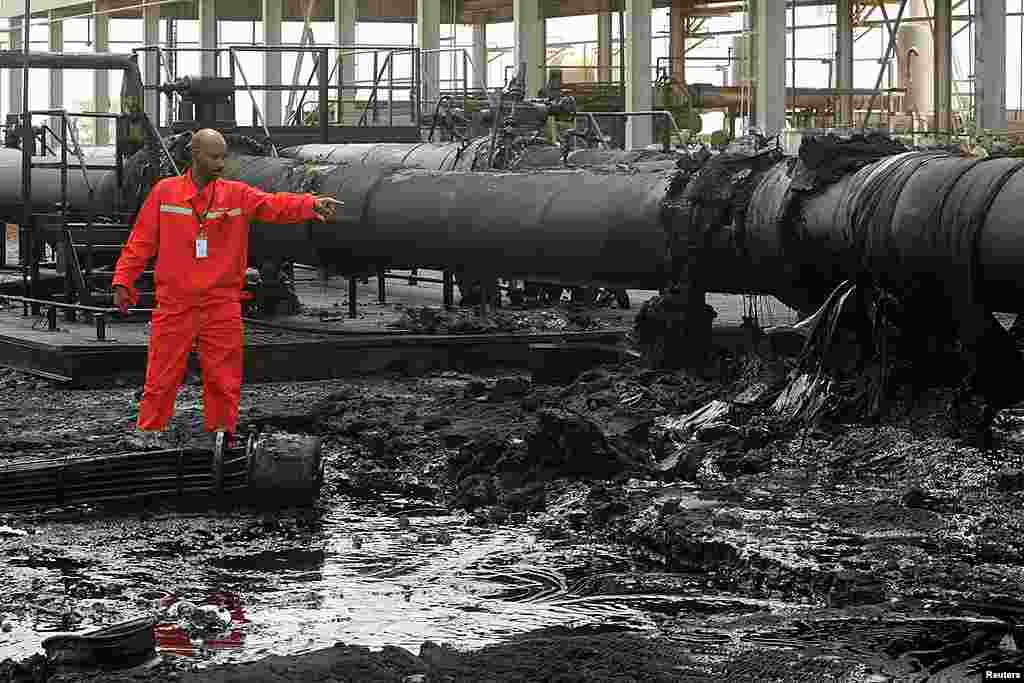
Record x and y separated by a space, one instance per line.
201 247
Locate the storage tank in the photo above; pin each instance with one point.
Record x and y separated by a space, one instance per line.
914 60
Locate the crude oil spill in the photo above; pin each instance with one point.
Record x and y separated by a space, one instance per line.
236 587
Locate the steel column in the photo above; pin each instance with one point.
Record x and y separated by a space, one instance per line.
101 78
942 91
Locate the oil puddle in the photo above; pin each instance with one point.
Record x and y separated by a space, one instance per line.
236 587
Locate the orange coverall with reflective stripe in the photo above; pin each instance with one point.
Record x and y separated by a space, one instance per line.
198 299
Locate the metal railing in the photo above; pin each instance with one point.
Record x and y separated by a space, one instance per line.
594 128
32 306
327 72
327 78
30 242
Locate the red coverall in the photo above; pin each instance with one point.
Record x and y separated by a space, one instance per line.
198 298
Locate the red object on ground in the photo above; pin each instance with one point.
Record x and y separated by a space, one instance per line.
199 293
172 638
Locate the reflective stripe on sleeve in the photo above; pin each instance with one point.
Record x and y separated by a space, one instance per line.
224 212
172 208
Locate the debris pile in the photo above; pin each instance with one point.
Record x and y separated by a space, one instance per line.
428 320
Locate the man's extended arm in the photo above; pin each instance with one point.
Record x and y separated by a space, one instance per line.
286 207
141 247
278 207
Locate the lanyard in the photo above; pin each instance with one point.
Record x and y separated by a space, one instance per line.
209 204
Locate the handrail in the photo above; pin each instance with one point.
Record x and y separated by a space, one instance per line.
343 50
77 307
256 108
433 123
590 115
296 114
373 93
77 149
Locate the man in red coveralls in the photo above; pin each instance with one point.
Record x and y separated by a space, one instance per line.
197 225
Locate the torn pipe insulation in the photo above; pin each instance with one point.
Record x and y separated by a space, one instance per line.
936 230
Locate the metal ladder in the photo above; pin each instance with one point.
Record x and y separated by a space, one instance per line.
81 238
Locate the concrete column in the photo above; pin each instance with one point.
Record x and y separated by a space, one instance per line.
14 84
345 34
677 43
480 56
272 10
990 65
844 58
770 65
208 36
529 38
101 78
942 74
604 47
639 92
56 44
428 37
151 66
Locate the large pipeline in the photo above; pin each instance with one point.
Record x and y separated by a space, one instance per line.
554 226
936 230
581 226
612 228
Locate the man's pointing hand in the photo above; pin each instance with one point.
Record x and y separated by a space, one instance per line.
326 208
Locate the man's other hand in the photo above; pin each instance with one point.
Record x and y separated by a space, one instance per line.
326 208
122 300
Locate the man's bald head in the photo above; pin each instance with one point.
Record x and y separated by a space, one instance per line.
208 138
208 151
